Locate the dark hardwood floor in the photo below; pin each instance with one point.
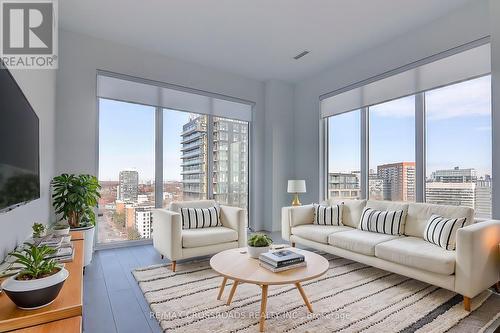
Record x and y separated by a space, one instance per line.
113 301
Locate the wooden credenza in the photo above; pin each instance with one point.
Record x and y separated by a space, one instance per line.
63 315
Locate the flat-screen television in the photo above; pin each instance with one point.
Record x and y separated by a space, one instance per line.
19 146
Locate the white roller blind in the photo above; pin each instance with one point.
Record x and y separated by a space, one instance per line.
143 93
455 68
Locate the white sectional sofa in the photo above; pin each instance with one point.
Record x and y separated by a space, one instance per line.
473 267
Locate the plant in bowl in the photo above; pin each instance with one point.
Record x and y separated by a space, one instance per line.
60 229
258 244
39 281
39 230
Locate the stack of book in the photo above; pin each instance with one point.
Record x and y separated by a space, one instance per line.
281 260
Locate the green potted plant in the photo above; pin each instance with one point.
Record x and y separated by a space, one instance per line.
74 199
258 244
39 230
39 281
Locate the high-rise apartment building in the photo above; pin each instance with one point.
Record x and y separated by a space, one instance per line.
144 221
455 175
376 187
128 187
343 185
483 198
194 158
455 194
398 181
230 160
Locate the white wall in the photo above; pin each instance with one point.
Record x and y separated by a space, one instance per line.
459 27
77 120
15 226
278 149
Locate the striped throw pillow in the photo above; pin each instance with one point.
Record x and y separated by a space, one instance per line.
328 215
195 218
442 231
388 222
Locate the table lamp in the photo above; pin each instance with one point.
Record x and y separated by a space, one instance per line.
295 187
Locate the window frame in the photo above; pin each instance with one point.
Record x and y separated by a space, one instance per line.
158 154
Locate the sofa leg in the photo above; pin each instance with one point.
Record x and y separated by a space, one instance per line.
293 244
467 303
173 265
161 256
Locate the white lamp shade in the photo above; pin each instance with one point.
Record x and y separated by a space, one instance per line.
296 186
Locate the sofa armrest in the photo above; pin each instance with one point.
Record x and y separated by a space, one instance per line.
294 216
478 258
167 233
236 219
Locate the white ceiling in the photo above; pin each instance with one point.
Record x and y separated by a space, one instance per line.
254 38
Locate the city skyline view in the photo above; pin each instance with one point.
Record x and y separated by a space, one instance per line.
126 168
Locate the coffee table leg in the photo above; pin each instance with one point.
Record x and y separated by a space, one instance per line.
263 304
304 296
222 286
231 293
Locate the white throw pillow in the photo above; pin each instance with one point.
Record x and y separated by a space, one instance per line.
442 231
328 215
195 218
388 222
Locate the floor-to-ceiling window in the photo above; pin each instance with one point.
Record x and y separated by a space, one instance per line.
126 170
149 156
426 133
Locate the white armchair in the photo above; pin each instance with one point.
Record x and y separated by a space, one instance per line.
171 241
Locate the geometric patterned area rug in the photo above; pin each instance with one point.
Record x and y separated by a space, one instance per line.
350 297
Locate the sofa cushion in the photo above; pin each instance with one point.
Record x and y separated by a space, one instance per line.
382 221
195 218
390 205
351 211
328 215
177 205
416 252
359 241
317 233
442 231
207 236
419 214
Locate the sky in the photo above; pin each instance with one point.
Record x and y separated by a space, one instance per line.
458 131
126 140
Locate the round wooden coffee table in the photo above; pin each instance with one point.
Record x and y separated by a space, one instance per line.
239 267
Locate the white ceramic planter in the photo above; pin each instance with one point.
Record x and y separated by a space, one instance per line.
34 294
88 243
255 252
60 232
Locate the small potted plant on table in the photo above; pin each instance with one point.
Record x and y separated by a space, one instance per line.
74 198
39 230
39 281
258 244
